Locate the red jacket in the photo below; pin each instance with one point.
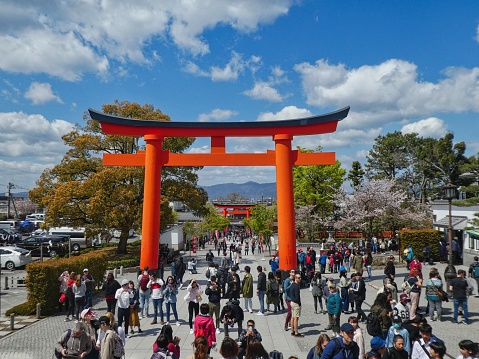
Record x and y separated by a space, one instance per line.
204 323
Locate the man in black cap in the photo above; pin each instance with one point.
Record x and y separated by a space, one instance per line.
342 347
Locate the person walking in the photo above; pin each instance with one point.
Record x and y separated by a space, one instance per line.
344 285
415 284
459 288
193 298
213 291
234 284
204 326
334 309
70 282
180 272
317 291
89 285
272 292
433 285
247 289
110 287
79 290
261 289
287 296
359 290
134 308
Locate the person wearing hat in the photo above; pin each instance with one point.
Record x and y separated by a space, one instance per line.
91 326
398 329
378 347
74 343
123 296
108 341
334 309
342 347
401 309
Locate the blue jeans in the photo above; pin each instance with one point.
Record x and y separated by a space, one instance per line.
368 268
173 306
158 304
88 302
463 303
345 299
261 295
145 302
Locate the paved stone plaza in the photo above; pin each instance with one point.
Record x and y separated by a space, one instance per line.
37 340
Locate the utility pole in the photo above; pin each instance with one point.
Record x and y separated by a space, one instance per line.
10 198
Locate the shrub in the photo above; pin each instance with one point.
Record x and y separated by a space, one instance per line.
26 309
42 278
417 240
126 263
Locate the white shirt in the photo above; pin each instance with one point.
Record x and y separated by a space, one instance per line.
123 298
417 350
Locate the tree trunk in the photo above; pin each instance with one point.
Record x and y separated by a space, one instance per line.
123 241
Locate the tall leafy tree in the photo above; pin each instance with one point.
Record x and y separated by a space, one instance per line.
356 174
80 191
317 185
213 221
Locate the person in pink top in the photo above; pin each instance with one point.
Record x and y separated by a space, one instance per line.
204 326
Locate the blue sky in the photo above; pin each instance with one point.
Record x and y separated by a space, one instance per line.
400 65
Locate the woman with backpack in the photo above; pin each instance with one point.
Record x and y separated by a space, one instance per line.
172 344
193 298
272 292
381 309
317 292
205 327
281 289
317 350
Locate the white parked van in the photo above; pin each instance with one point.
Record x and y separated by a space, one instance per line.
77 236
35 217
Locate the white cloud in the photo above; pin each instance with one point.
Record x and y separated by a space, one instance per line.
263 91
41 93
239 174
235 67
217 115
30 143
287 113
390 91
429 127
67 39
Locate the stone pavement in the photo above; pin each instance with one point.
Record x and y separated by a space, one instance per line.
37 340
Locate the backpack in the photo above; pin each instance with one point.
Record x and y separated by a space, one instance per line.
64 343
161 355
145 278
201 330
275 288
475 271
308 259
275 355
119 350
406 287
373 326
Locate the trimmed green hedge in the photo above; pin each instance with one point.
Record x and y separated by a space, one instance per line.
417 240
24 309
42 278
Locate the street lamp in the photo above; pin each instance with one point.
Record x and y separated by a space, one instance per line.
450 193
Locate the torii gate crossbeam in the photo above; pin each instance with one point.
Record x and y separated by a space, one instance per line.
283 158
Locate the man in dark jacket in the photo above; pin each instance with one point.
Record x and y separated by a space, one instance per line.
390 269
359 290
342 347
248 335
261 289
232 313
180 271
213 291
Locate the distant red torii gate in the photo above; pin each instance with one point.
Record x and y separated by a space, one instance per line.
283 157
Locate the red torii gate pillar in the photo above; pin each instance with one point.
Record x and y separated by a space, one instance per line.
285 204
283 158
151 201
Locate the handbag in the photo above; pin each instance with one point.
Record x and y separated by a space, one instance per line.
198 298
62 298
310 287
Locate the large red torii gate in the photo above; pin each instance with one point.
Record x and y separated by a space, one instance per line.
283 157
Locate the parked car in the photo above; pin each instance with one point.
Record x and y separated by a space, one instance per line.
34 244
14 257
58 245
5 232
77 235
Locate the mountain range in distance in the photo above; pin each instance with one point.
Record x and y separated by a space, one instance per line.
251 190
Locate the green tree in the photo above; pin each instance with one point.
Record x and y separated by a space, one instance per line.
213 221
356 174
81 192
262 221
316 186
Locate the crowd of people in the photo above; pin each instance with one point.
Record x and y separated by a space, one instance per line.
335 281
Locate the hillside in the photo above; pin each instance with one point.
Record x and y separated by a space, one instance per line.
249 189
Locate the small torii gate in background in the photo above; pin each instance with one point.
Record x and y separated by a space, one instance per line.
283 158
